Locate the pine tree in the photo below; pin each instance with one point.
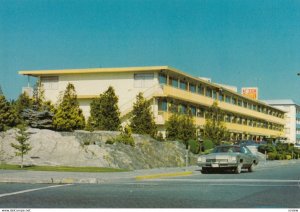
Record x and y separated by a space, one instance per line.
214 128
181 127
8 116
23 102
172 127
105 114
142 121
38 97
22 148
69 116
187 128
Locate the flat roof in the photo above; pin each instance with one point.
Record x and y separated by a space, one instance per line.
38 73
281 102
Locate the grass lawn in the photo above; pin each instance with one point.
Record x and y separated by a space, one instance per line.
61 168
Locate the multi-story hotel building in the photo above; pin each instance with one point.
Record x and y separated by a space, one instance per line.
245 118
292 118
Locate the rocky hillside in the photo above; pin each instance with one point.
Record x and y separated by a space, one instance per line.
82 148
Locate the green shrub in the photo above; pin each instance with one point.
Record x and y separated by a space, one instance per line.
125 137
288 157
208 144
280 157
266 148
272 155
194 146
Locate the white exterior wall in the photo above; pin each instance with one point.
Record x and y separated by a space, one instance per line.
94 84
290 121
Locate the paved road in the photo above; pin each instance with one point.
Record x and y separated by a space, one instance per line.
268 187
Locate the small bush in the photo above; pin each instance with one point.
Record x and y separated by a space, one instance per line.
207 144
125 137
272 156
110 141
194 146
288 157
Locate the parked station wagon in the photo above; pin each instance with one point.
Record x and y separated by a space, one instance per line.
228 157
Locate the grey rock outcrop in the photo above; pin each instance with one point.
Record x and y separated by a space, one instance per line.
81 148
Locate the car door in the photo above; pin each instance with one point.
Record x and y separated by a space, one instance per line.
247 155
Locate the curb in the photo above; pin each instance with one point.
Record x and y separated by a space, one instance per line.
153 176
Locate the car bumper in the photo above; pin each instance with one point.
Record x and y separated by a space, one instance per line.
218 165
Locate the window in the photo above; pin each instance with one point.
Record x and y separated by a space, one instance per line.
208 92
183 85
162 79
192 88
245 104
143 80
228 99
193 110
234 101
162 105
249 105
201 112
214 94
183 109
174 82
221 97
200 89
50 82
239 102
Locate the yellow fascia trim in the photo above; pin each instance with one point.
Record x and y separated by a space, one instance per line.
94 70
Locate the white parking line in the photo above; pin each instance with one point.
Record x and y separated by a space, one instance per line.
31 190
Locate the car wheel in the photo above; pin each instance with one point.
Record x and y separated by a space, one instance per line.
251 168
238 169
204 171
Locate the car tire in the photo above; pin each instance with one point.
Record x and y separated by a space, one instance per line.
251 168
238 169
204 171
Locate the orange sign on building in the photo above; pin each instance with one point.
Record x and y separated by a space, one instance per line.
250 92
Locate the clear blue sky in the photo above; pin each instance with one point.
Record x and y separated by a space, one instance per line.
237 42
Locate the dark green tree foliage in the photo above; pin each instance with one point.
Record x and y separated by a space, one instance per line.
8 116
23 102
38 97
214 128
142 121
181 127
105 114
69 116
22 148
187 128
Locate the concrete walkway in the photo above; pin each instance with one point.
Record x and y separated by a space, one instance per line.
13 176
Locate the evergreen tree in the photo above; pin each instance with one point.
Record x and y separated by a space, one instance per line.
105 114
38 97
172 127
214 128
8 116
69 116
181 127
187 128
142 121
22 148
23 102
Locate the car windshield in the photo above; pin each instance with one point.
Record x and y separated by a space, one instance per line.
221 149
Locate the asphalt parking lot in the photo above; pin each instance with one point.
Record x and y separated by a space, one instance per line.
270 186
